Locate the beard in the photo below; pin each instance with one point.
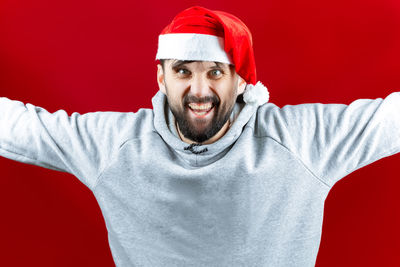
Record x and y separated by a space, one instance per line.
201 129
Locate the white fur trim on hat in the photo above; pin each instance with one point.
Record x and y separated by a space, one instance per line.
256 94
192 46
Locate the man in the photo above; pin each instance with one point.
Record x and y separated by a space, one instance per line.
213 175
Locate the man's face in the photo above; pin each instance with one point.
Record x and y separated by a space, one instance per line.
201 95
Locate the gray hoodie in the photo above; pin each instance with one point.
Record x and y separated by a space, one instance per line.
255 197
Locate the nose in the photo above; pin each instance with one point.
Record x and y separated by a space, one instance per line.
200 86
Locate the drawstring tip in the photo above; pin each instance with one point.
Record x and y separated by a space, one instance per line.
190 148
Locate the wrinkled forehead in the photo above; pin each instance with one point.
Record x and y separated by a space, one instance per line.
177 63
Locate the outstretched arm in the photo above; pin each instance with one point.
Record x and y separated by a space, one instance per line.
333 140
79 144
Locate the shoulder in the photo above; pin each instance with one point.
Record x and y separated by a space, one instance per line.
271 118
137 124
127 125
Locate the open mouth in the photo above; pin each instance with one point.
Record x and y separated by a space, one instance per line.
201 110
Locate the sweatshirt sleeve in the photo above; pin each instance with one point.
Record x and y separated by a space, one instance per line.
333 140
78 144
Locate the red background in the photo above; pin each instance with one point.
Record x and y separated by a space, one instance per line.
99 56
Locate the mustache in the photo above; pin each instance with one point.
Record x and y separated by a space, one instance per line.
199 100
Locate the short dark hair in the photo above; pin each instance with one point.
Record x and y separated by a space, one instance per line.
239 98
162 61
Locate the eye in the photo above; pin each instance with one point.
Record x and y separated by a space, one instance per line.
183 71
216 73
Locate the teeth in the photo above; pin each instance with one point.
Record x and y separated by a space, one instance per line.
200 106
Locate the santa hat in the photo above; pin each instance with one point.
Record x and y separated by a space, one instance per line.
201 34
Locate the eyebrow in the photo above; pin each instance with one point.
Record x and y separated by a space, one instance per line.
179 63
219 64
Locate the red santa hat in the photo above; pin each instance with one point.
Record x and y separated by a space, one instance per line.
201 34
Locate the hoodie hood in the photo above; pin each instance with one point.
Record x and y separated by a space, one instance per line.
204 154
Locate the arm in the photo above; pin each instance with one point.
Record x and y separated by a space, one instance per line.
79 144
333 140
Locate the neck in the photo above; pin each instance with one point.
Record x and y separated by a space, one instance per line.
213 139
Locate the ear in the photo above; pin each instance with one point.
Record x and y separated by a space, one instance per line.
160 79
241 85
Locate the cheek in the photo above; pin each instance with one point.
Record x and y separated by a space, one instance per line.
229 93
175 102
175 91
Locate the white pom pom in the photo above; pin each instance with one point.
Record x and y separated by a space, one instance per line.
256 94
